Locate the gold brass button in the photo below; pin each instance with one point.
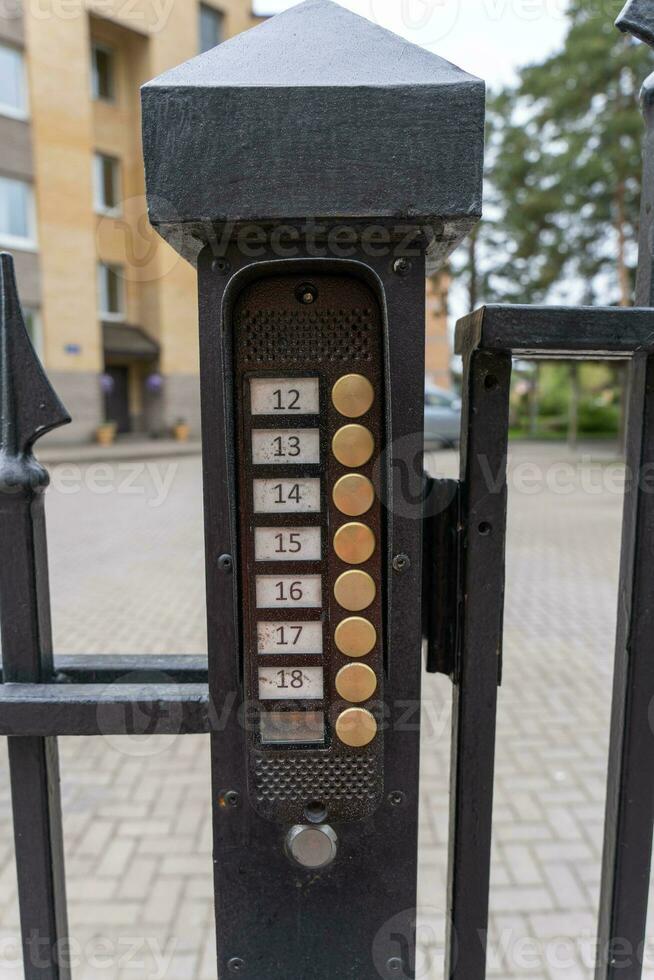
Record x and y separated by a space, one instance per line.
353 395
353 445
356 682
355 637
355 590
353 494
354 543
356 727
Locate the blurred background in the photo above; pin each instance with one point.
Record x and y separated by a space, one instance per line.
111 309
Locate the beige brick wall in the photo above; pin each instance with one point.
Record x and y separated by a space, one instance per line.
437 340
148 37
58 73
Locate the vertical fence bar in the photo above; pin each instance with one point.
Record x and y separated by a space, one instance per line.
626 863
629 802
485 428
28 409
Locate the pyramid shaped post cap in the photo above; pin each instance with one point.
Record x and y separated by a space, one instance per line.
315 113
637 18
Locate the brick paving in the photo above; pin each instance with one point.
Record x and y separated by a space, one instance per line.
127 575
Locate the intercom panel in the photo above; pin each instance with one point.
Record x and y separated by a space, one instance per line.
309 410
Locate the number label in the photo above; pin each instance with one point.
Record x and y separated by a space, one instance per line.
289 591
284 396
279 447
287 496
279 727
290 683
289 637
287 544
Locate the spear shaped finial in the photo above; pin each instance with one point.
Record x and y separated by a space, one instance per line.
637 18
28 406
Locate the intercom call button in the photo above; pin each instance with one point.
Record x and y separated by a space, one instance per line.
353 494
353 396
356 682
355 590
353 445
356 727
355 637
354 543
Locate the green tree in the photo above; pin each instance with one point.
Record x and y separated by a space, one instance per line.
564 160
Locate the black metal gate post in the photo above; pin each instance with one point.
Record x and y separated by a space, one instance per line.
485 424
28 409
630 792
310 168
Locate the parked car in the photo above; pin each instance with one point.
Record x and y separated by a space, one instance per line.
442 418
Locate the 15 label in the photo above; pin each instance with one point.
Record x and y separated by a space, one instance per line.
287 544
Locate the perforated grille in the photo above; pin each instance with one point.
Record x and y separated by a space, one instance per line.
296 336
298 780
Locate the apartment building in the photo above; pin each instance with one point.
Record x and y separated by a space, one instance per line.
438 349
110 307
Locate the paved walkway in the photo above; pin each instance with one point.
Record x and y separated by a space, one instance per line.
127 575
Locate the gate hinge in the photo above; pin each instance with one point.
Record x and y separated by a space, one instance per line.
440 582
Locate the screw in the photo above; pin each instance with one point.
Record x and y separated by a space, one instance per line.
394 965
401 563
236 965
226 563
396 798
306 293
402 267
230 798
220 265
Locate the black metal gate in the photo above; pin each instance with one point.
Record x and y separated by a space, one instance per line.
42 697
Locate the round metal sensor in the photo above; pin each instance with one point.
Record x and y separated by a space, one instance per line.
312 847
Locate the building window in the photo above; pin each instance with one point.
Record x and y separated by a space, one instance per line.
13 89
17 224
106 184
103 73
110 290
33 326
211 27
